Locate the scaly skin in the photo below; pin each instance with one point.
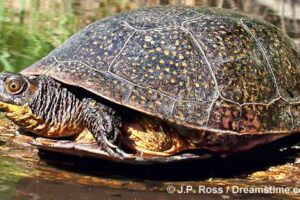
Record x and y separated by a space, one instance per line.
53 111
49 109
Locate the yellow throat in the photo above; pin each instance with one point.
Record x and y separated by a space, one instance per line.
25 118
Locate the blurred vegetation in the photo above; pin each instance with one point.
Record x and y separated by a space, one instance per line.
30 29
21 42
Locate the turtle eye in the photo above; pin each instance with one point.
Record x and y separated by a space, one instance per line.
14 85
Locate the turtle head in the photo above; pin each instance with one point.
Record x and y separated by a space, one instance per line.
27 101
16 91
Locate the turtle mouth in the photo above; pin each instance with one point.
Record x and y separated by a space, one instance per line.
21 115
8 107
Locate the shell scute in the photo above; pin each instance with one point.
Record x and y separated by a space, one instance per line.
151 101
224 115
108 85
238 64
97 45
266 118
193 113
167 61
283 58
165 16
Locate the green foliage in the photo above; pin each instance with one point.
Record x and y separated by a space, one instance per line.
20 47
28 36
29 30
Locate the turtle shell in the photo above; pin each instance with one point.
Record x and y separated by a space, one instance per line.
202 68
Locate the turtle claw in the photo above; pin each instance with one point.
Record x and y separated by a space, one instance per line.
108 143
124 154
116 152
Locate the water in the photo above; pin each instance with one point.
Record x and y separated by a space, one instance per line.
26 173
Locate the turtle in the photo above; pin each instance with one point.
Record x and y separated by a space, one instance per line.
160 83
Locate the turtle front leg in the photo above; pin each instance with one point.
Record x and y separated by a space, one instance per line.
105 125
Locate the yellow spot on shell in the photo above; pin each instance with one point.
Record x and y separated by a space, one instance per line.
148 38
219 38
173 80
158 49
161 75
184 64
166 52
181 56
161 61
167 69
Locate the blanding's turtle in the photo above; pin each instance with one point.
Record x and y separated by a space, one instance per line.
158 82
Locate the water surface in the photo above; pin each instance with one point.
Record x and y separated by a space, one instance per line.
26 173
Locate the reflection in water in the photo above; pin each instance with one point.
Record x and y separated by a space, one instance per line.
10 173
43 189
24 175
7 189
149 182
237 165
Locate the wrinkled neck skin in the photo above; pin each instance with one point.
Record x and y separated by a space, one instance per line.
54 111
